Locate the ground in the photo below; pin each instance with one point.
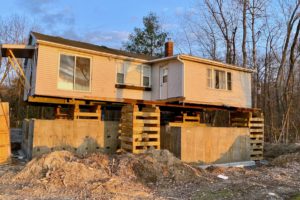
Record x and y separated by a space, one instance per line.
154 175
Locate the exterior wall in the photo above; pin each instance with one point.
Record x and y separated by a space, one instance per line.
103 78
175 85
196 88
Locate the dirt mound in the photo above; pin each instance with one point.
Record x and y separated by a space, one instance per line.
99 174
161 165
272 151
286 160
62 168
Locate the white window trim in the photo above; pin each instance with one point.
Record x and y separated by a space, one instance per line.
75 55
213 79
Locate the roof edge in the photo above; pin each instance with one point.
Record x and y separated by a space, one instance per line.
204 61
44 42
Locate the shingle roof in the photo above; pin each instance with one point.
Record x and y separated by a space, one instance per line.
84 45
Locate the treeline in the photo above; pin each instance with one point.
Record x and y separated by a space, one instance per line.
257 34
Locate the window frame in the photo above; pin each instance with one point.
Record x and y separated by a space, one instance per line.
213 77
123 64
74 70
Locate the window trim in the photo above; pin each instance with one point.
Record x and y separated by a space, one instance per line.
75 55
213 70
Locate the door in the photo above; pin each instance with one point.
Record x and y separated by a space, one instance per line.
163 82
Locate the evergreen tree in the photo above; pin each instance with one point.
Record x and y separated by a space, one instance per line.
149 40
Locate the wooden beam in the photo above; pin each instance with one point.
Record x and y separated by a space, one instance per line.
162 104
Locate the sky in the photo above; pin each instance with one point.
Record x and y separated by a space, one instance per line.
102 22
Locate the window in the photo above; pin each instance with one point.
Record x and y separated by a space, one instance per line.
74 73
219 79
120 74
146 76
165 75
134 75
209 78
220 82
229 84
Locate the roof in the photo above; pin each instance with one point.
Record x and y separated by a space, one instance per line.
148 59
88 46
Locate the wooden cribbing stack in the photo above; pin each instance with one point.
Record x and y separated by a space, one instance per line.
139 130
91 112
255 122
187 121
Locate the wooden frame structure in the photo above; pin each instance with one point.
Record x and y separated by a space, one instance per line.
139 130
255 122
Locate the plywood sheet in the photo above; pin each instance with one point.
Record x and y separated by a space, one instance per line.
4 133
215 144
80 136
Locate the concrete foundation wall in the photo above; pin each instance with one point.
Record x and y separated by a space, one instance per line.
79 136
207 144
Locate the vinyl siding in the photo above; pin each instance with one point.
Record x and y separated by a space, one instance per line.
174 79
103 77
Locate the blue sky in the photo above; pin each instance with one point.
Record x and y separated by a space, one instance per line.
103 22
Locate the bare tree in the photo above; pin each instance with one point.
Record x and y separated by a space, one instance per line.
245 6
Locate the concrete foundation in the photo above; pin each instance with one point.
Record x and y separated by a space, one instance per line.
207 145
79 136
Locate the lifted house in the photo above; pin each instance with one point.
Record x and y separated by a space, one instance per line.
147 92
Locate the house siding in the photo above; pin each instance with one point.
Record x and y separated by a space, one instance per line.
103 77
175 79
196 89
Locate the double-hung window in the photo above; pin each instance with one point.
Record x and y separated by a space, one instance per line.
74 73
133 75
219 79
146 76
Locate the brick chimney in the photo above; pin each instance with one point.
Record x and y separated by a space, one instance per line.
169 48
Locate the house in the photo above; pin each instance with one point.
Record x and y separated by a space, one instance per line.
63 68
148 93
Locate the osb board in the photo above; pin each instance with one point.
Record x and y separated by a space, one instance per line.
215 144
4 133
80 136
170 139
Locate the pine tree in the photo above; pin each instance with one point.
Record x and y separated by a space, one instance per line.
149 40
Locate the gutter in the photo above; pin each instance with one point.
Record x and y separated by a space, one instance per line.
182 74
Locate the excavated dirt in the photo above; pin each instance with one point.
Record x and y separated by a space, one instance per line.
156 174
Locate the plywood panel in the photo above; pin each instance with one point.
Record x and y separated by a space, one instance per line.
80 136
4 133
215 144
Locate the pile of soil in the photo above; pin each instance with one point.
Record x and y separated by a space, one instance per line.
287 160
125 174
272 151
